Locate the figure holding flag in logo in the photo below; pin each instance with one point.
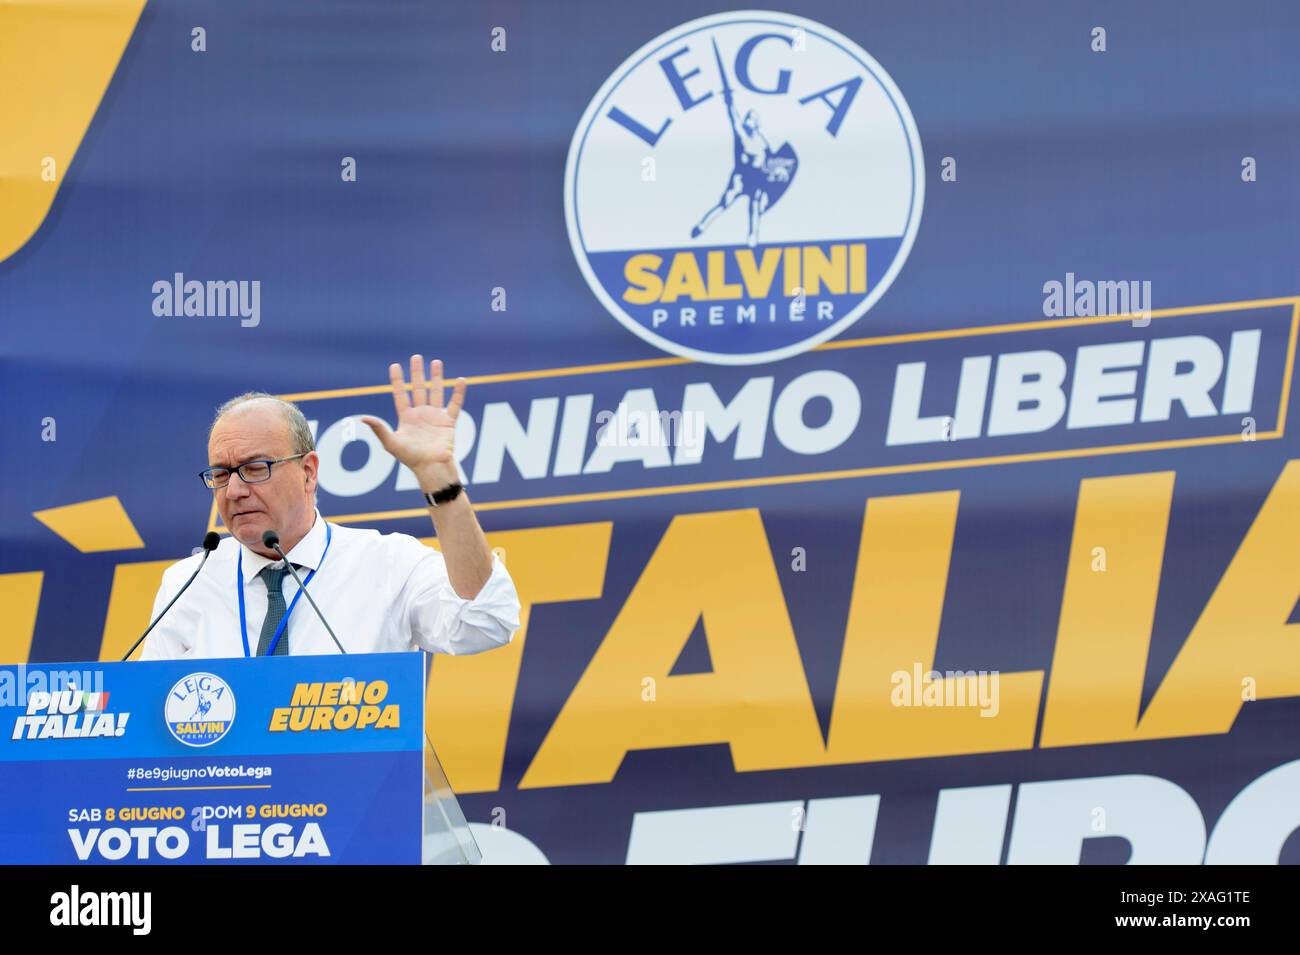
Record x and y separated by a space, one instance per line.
759 172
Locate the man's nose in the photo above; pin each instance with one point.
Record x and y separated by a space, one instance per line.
237 488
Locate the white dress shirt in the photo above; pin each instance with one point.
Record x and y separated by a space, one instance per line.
380 592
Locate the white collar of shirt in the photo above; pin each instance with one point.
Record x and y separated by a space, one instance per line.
306 553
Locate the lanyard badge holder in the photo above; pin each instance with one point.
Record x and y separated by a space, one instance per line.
239 588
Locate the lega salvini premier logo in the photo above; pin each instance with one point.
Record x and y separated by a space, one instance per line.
200 709
744 187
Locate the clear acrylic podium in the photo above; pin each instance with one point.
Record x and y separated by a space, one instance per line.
447 839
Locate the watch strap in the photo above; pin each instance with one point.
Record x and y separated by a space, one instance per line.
449 493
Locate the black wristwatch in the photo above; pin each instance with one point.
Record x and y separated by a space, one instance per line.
448 493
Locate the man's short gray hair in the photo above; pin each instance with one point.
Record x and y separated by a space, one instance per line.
299 432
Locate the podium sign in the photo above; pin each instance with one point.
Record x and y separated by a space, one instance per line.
293 759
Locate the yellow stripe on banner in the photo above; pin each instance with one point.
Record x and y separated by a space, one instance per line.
1112 580
899 339
19 596
890 702
174 789
56 61
93 526
470 698
129 605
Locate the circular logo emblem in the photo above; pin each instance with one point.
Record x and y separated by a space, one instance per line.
744 187
200 709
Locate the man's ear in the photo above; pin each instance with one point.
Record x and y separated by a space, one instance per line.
310 470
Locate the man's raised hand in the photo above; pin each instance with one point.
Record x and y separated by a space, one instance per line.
426 430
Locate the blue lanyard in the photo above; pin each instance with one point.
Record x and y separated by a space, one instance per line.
239 587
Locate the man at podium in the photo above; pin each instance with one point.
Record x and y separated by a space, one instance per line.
376 592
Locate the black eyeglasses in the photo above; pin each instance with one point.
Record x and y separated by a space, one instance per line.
250 472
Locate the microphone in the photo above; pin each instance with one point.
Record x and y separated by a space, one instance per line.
272 540
210 542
